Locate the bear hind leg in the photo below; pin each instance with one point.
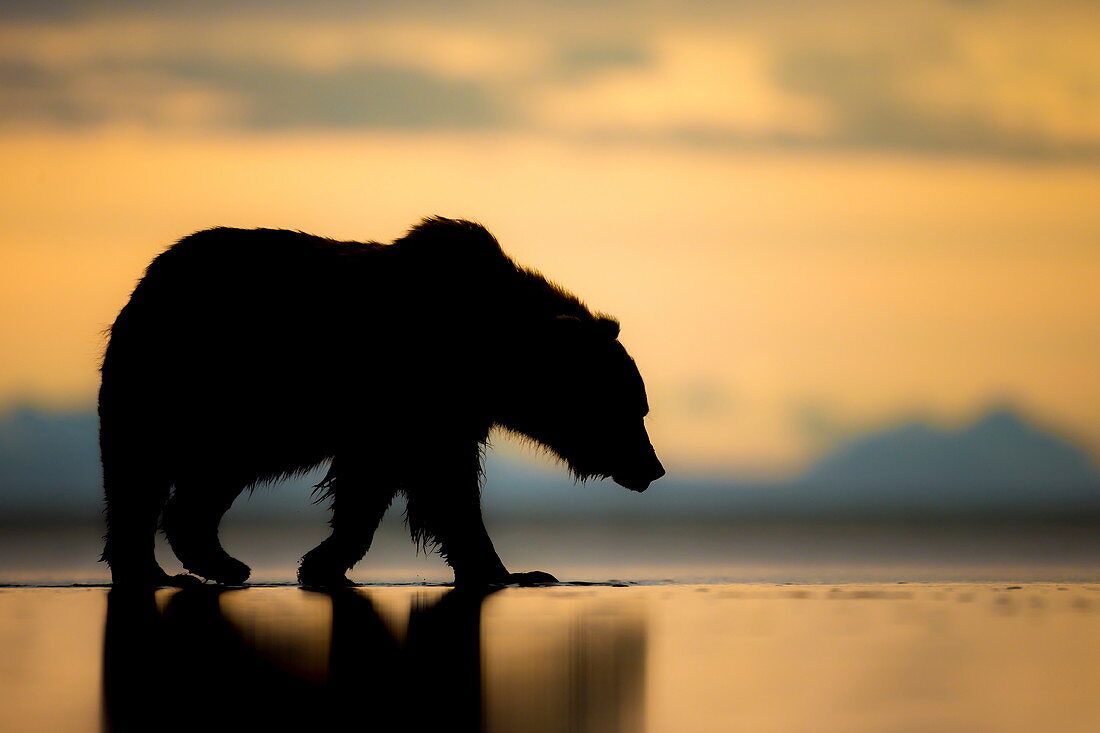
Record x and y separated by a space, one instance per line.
191 520
135 499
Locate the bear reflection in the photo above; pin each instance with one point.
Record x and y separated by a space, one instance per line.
192 660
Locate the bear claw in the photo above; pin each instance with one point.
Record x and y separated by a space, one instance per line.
153 579
224 571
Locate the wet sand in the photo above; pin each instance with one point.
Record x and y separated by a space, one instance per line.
755 657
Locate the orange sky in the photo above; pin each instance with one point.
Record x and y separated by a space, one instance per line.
799 245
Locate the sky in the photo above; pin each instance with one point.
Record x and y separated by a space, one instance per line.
811 217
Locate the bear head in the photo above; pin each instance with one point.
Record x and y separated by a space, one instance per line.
576 391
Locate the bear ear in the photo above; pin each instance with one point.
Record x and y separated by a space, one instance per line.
609 327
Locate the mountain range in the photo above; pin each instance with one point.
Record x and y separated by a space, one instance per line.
1002 465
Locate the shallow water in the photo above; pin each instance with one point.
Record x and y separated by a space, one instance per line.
755 657
684 553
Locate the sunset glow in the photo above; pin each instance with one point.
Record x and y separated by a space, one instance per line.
798 218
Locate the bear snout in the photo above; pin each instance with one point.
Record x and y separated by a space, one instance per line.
639 480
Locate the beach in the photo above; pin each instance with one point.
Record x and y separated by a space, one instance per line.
602 657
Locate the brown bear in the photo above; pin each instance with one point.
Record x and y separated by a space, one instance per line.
246 356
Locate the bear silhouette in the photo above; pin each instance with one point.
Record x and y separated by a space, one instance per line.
246 356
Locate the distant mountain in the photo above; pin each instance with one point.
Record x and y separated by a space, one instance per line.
49 462
49 469
1000 464
1000 452
1003 464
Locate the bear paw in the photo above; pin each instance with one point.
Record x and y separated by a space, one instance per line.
532 578
223 570
151 578
315 577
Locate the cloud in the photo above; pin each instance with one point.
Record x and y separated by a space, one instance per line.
691 81
585 58
971 90
173 94
68 9
365 95
1008 79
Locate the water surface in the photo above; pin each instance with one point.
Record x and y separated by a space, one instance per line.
749 656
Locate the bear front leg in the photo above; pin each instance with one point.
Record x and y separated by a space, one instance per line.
191 520
356 512
446 508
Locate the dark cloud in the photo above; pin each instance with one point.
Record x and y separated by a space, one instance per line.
32 94
901 79
873 103
582 59
264 95
355 96
21 9
20 76
61 9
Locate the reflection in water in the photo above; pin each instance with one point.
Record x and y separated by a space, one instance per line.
186 668
207 657
559 672
944 657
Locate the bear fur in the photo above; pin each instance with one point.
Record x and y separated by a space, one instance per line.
246 356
